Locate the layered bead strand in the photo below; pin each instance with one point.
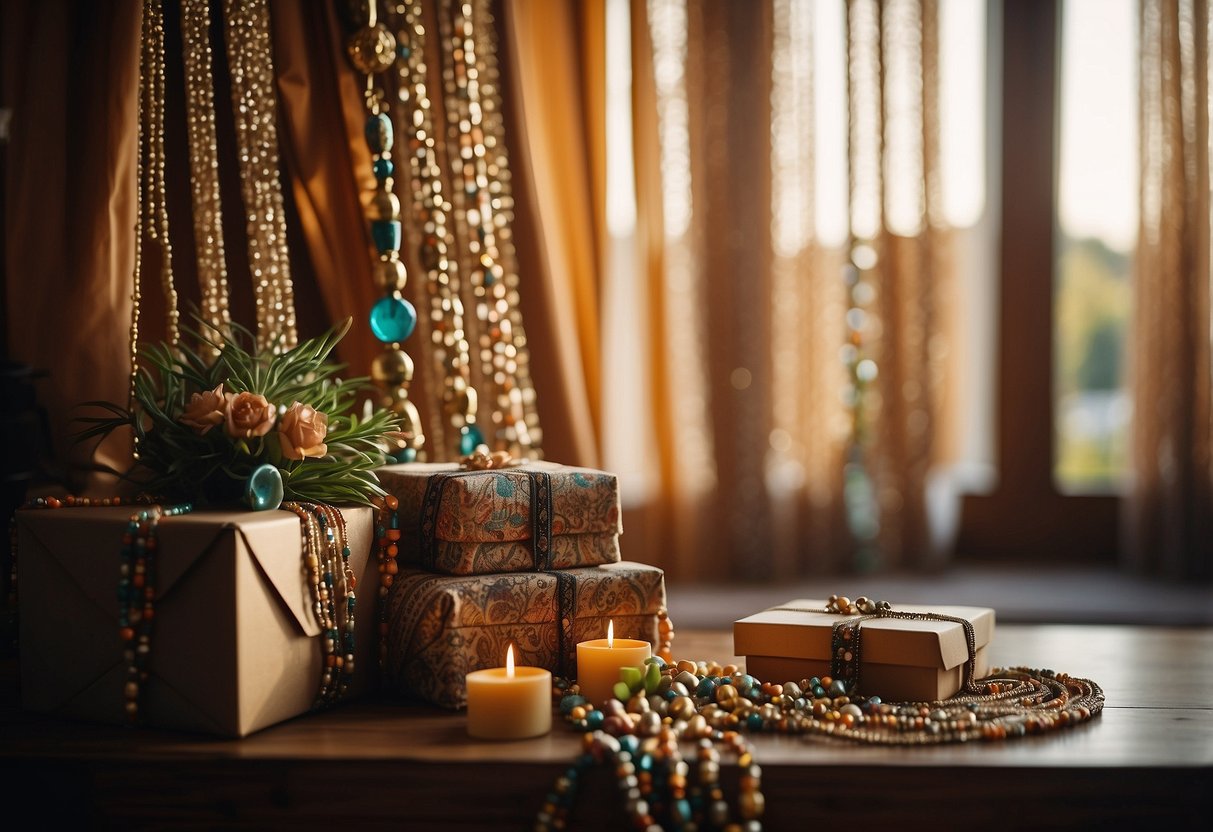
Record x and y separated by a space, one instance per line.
387 537
478 177
251 64
432 208
372 49
204 169
137 597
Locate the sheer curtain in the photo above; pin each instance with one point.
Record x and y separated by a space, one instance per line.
1169 527
798 347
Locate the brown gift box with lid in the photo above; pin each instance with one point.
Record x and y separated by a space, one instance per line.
236 644
442 627
902 660
532 517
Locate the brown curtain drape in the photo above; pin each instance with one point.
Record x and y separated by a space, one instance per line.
1169 527
70 203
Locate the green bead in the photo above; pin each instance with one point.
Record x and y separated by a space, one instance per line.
652 678
263 491
379 134
630 676
622 692
386 235
393 319
470 438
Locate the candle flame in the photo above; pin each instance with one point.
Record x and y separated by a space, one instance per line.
509 661
611 633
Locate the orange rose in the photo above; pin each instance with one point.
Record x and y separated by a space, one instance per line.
204 411
301 432
248 415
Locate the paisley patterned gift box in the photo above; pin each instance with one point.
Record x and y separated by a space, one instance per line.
527 518
442 627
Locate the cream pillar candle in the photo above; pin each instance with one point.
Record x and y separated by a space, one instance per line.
509 703
599 660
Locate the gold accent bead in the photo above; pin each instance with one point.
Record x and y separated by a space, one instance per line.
372 49
385 205
391 274
392 368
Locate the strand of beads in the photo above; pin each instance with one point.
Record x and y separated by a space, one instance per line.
137 596
431 205
326 556
372 50
711 704
387 536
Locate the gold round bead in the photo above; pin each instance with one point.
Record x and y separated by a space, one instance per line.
391 274
372 49
392 368
385 205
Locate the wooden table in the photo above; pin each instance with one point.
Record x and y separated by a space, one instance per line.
1148 759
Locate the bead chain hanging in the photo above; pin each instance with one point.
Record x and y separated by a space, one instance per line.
204 168
251 63
432 208
151 200
497 167
387 537
326 554
372 50
479 221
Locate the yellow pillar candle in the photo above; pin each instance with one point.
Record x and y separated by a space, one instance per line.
599 660
509 703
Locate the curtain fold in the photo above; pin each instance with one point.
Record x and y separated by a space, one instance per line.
70 196
1169 525
551 64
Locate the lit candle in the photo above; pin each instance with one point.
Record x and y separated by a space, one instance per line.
599 660
509 703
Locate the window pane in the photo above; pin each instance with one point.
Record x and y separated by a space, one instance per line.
1097 223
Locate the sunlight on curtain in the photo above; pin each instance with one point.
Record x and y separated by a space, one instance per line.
765 356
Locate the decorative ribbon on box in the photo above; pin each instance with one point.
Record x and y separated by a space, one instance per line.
442 627
236 644
904 659
535 517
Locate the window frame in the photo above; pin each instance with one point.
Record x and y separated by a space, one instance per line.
1026 517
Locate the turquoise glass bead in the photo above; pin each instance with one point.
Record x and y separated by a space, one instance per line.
385 234
393 319
838 688
594 719
379 134
754 722
383 168
405 455
470 438
263 491
706 688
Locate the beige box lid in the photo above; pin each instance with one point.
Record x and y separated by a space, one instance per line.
801 629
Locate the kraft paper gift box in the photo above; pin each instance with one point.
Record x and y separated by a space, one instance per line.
442 627
235 645
532 517
901 660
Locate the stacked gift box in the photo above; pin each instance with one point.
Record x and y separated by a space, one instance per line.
525 555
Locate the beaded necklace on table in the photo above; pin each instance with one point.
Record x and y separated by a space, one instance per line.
714 705
387 537
371 50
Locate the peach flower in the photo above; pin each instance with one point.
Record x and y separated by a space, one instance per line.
248 415
204 411
301 432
